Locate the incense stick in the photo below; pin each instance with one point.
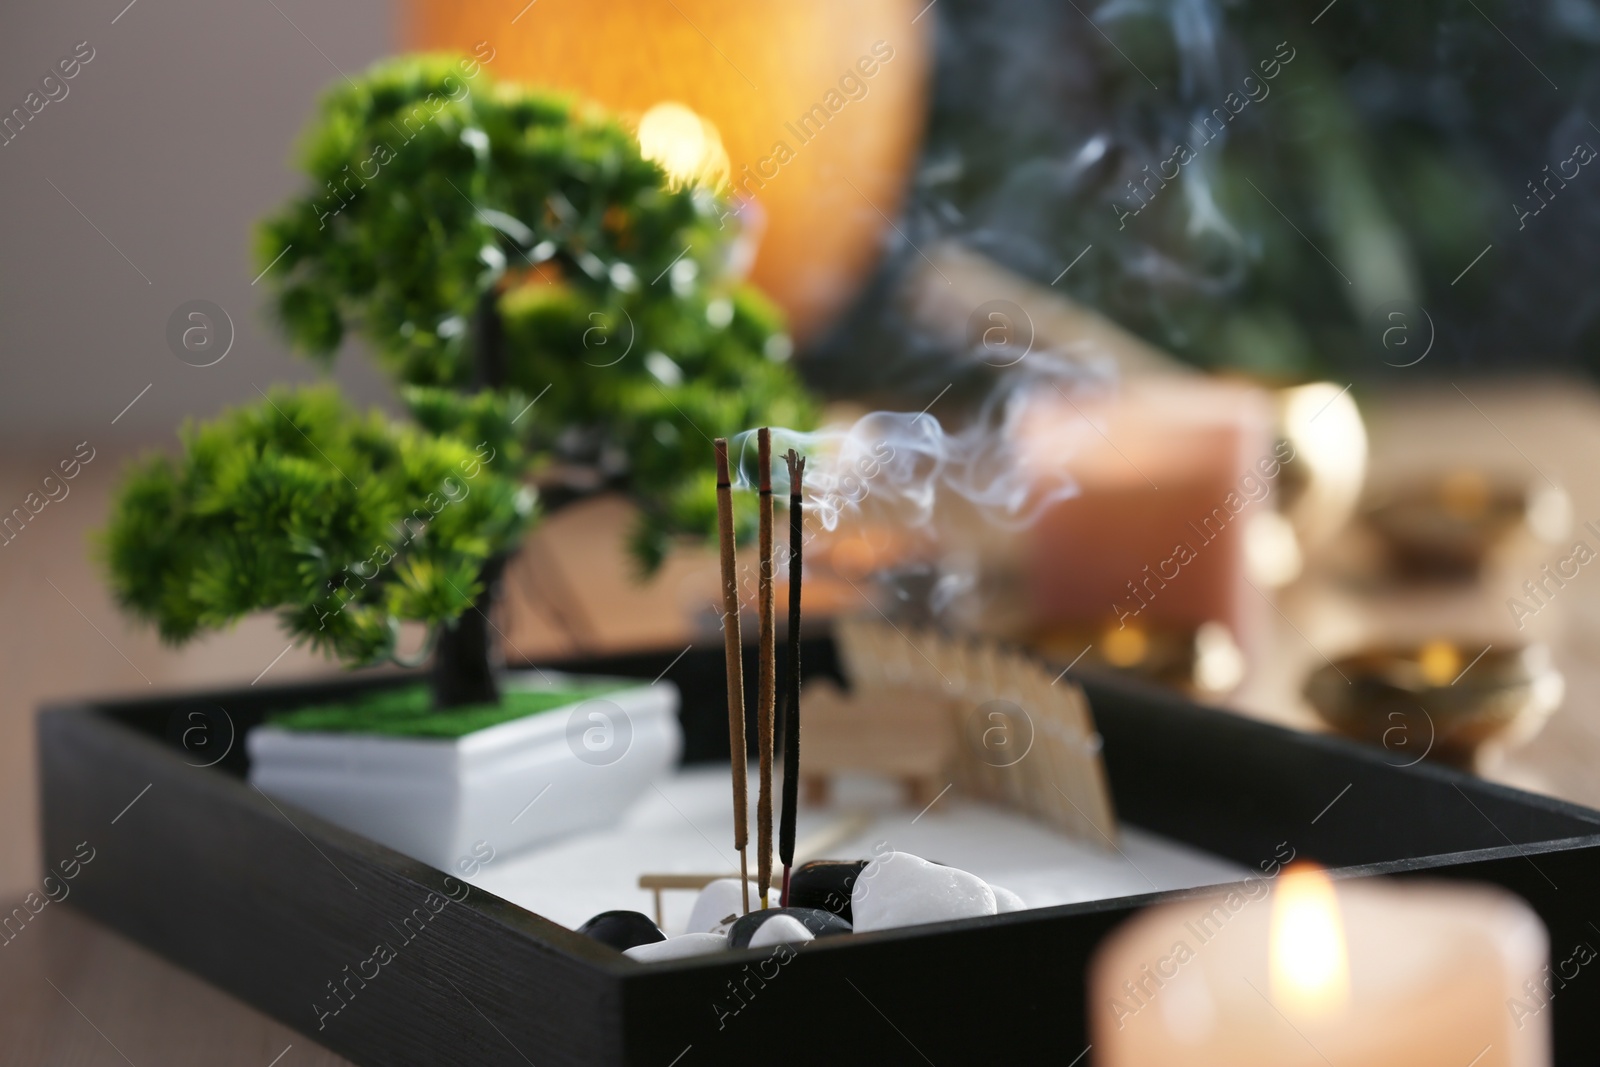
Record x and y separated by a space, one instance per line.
766 668
791 724
735 667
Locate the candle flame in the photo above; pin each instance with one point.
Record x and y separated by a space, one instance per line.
1124 646
1439 661
1309 970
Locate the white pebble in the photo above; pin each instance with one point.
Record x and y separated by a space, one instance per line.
717 906
780 930
677 948
900 889
1005 900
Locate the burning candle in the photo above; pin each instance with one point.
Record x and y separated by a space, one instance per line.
1170 476
1311 972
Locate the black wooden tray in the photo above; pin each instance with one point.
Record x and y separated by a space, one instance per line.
276 906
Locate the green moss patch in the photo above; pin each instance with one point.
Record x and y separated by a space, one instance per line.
409 712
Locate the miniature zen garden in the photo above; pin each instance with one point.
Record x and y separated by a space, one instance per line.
893 540
562 317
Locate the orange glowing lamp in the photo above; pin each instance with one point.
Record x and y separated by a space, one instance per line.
814 110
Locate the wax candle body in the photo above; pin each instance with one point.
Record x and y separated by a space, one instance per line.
1170 473
1432 975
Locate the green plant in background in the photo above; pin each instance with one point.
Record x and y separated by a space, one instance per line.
347 525
491 236
1254 193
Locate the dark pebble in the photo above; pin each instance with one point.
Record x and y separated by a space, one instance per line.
820 923
825 884
623 929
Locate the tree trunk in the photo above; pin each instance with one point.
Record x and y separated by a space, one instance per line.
487 338
464 658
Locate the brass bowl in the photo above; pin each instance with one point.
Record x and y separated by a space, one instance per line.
1204 661
1451 525
1432 701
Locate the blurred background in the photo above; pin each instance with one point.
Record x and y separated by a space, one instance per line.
1305 289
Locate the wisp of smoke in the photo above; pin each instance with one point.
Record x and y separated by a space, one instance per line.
900 464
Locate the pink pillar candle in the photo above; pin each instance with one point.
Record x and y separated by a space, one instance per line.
1170 472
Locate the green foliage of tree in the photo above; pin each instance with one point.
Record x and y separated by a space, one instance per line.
555 310
436 194
346 524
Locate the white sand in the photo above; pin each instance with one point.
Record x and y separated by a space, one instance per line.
685 825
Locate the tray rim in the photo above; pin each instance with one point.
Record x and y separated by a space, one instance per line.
605 1008
611 962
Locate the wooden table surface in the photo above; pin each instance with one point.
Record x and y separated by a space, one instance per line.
72 992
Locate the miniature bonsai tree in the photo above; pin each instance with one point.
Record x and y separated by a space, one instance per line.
347 525
555 310
483 236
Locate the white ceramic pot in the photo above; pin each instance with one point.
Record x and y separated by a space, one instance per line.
511 785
